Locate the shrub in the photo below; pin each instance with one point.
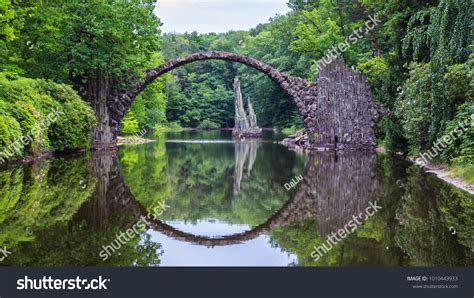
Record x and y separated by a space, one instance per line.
461 151
290 130
413 108
208 124
173 125
158 130
10 131
25 105
129 124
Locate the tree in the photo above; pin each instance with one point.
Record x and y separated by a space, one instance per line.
129 124
93 45
6 18
149 108
446 30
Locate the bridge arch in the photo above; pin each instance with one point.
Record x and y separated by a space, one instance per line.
120 100
337 110
285 81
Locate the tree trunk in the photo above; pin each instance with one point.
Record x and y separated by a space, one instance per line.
375 43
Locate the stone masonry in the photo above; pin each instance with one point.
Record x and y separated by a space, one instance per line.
337 110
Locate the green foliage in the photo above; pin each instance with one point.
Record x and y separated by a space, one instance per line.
78 40
447 35
415 105
290 130
10 131
52 115
149 108
6 16
192 117
129 124
73 127
464 171
375 70
459 81
208 124
461 151
158 130
202 90
413 108
173 126
76 43
317 31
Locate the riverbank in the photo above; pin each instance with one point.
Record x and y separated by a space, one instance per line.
27 159
444 173
133 140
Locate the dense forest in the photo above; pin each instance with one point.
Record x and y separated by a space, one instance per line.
418 61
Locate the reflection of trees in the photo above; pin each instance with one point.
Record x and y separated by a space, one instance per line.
40 195
144 169
412 228
360 248
62 238
77 243
425 213
202 180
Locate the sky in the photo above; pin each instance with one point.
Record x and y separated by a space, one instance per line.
205 16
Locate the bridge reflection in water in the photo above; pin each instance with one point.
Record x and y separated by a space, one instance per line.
334 188
62 211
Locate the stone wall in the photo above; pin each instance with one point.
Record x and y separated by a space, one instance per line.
341 112
346 112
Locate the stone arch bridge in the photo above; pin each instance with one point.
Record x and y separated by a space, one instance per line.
337 109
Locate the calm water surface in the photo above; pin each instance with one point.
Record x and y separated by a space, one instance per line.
227 205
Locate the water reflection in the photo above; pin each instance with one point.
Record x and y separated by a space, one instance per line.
245 152
228 206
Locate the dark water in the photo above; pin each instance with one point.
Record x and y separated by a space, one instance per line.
207 200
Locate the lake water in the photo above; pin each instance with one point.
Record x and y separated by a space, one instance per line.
205 200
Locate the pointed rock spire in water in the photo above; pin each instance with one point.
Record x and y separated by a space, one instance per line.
241 121
244 126
252 117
